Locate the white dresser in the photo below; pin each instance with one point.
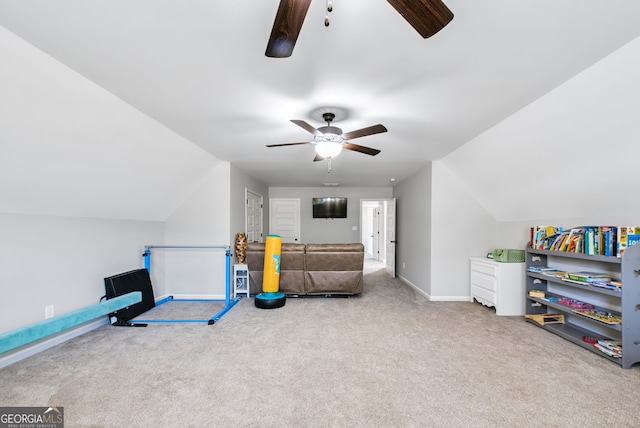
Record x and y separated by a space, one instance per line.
501 285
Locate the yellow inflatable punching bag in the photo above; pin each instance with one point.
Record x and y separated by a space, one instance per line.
272 254
270 297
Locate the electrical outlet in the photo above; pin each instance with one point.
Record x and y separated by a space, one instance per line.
403 265
48 312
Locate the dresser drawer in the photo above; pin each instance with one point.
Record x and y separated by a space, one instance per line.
484 268
484 296
485 281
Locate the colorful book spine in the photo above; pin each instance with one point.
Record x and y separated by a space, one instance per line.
627 236
608 241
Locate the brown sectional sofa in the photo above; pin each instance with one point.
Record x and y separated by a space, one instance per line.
311 269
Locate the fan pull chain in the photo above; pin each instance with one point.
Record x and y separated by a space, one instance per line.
329 166
329 9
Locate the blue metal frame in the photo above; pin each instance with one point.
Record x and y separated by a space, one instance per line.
228 302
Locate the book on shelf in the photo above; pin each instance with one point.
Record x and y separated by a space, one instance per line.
589 276
574 240
589 240
608 241
560 241
537 293
541 269
611 285
627 236
540 236
566 240
600 315
557 274
612 348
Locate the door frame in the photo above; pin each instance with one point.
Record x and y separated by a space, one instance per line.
387 242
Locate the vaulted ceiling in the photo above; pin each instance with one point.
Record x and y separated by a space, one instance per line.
198 68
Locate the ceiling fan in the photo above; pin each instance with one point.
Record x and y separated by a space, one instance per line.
426 16
330 140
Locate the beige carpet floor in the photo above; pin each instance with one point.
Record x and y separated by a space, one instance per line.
388 358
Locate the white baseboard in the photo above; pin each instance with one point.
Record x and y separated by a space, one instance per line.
27 351
435 298
192 297
415 287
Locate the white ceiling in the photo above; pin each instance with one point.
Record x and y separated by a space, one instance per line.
198 68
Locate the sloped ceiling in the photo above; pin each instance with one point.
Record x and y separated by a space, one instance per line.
573 153
195 72
70 148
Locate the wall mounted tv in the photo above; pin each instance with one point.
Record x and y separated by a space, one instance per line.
329 207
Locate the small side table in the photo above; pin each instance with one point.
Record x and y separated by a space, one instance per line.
240 280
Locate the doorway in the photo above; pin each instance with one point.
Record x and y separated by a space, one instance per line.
373 230
378 231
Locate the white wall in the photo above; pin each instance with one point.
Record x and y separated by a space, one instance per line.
63 261
572 153
339 230
413 229
461 228
202 220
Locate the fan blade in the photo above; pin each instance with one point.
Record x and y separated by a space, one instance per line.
287 144
304 125
426 16
286 27
318 158
361 149
375 129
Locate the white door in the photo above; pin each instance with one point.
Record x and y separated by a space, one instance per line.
390 215
284 219
253 216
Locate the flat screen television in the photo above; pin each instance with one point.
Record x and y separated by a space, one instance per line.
330 207
123 283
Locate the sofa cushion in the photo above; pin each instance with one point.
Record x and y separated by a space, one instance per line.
334 257
334 268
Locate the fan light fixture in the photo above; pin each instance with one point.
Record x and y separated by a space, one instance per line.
328 149
330 140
